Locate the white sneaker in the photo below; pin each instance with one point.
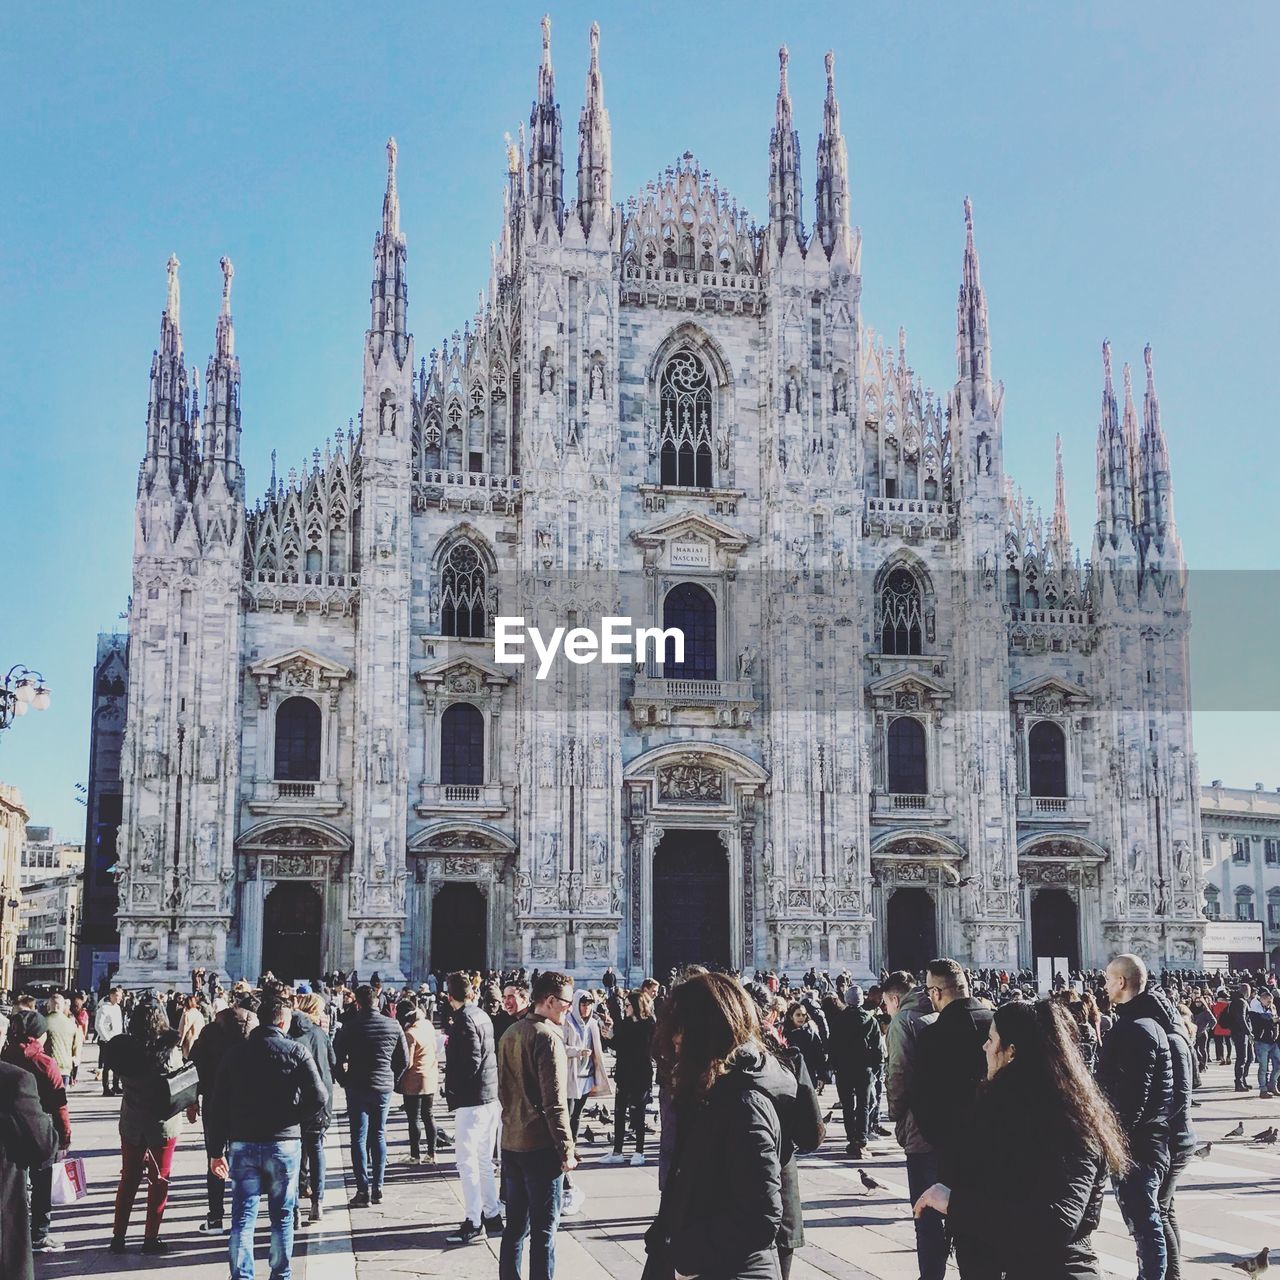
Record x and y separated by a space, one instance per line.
637 1159
614 1157
574 1199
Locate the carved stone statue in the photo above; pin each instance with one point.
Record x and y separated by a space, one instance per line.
549 859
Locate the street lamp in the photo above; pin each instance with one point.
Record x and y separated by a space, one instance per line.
23 689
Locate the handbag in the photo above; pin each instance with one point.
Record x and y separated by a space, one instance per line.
68 1183
178 1090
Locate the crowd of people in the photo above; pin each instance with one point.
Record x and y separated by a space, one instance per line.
1014 1112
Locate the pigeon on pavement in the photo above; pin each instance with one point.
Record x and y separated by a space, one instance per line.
1202 1149
1267 1135
1254 1266
1237 1132
870 1183
828 1117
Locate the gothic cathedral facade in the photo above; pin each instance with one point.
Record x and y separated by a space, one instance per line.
908 720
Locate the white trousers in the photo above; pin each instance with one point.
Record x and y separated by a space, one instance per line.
475 1132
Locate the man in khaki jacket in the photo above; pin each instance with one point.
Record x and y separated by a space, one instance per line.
537 1145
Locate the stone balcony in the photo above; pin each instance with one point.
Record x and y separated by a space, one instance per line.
465 491
284 799
908 518
475 800
901 806
718 704
1055 811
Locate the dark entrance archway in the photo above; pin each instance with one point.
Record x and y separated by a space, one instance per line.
292 917
911 929
1055 926
459 934
690 901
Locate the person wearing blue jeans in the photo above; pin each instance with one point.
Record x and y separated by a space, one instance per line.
931 1231
367 1117
267 1089
1136 1072
263 1169
1266 1031
532 1189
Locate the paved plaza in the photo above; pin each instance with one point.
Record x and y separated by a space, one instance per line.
1227 1205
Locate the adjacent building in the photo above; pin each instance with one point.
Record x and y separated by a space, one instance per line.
99 955
1240 858
44 855
909 719
13 836
49 923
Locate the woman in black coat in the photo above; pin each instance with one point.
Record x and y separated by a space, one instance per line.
800 1033
28 1140
632 1041
1034 1157
722 1202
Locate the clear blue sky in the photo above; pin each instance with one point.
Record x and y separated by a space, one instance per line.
1122 160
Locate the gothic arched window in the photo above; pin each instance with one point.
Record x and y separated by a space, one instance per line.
900 614
684 403
1047 759
690 608
462 745
298 741
462 593
908 768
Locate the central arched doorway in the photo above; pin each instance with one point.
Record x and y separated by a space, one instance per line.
911 930
292 917
459 936
690 901
1055 927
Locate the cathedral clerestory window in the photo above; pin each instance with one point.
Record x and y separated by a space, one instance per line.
462 594
462 745
901 630
686 431
1047 759
297 741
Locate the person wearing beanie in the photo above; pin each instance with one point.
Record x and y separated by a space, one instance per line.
856 1050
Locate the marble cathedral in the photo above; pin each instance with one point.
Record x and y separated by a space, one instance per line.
908 720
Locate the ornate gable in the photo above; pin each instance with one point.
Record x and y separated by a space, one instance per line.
1049 695
907 691
691 540
302 669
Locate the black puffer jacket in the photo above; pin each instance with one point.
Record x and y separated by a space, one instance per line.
800 1116
229 1027
1026 1189
856 1043
949 1066
1135 1071
370 1051
1182 1137
318 1044
722 1203
470 1063
267 1086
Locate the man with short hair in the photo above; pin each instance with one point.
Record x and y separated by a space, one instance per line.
370 1054
266 1086
471 1092
1266 1033
908 1006
108 1023
537 1142
515 1004
1135 1071
1237 1020
950 1064
61 1044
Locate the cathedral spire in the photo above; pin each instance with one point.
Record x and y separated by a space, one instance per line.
784 166
1115 484
546 155
390 298
595 143
833 171
973 337
1157 483
1060 529
169 398
222 393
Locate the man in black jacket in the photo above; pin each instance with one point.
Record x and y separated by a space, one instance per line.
471 1090
1237 1021
949 1065
1135 1071
856 1051
370 1054
266 1086
318 1044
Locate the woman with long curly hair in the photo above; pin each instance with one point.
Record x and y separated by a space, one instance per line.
141 1057
722 1199
1034 1159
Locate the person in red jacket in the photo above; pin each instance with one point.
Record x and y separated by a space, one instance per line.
25 1048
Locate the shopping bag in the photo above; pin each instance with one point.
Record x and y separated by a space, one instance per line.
69 1184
